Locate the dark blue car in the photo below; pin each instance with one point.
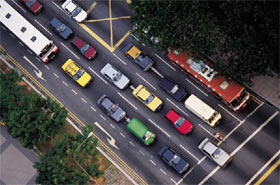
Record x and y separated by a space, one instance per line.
173 159
63 30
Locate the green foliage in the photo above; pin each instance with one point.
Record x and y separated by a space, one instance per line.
241 38
58 166
28 117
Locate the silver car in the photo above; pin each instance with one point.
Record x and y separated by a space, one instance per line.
115 76
215 153
74 10
111 109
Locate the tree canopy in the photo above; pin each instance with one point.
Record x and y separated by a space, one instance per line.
58 165
29 117
241 38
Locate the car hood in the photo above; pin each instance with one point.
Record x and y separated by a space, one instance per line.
155 103
90 53
118 114
179 95
122 82
81 16
221 157
144 63
66 33
36 7
84 79
186 127
181 166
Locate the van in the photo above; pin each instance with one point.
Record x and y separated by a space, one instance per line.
141 131
202 110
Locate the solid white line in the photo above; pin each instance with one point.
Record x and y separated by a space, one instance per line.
56 75
120 59
12 35
47 67
165 62
146 81
74 92
58 7
127 101
206 130
83 100
19 6
264 166
122 135
189 152
134 37
131 143
229 112
159 127
173 180
29 51
43 27
112 125
201 160
241 145
102 117
20 43
98 75
152 162
70 50
163 171
197 87
93 108
237 126
253 134
3 28
142 152
189 171
177 106
65 83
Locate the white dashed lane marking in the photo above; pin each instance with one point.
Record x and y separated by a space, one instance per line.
74 92
83 100
65 83
93 108
56 75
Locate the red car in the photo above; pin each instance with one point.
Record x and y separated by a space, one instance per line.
183 125
33 5
87 50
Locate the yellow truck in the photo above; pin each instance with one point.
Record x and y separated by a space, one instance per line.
76 72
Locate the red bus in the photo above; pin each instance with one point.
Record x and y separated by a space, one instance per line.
231 93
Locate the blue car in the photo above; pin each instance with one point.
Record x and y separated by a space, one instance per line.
172 159
63 30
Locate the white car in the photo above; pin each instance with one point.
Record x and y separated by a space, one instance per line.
74 10
215 153
115 76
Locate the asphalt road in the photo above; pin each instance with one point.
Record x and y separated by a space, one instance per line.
252 136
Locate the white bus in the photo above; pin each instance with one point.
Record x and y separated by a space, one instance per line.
26 32
202 110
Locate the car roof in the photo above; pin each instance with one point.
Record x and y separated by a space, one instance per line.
209 147
166 84
143 93
172 115
55 22
78 42
69 5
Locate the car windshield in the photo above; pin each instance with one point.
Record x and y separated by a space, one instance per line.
112 109
30 3
175 160
84 48
147 136
149 99
217 153
141 57
117 76
179 122
78 74
76 11
61 28
174 89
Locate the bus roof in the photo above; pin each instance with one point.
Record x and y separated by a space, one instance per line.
137 128
199 106
25 31
228 90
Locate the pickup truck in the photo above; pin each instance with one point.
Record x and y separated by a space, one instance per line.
138 129
139 57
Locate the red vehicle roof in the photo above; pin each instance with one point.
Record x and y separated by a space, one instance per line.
232 90
173 116
79 43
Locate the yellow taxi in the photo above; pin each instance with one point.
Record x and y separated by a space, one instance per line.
147 98
76 72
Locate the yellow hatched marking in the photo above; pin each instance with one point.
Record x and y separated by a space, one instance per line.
256 99
91 7
122 39
268 172
111 26
107 19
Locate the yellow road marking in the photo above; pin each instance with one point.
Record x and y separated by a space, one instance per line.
268 172
74 117
91 7
94 35
256 99
107 19
111 26
122 39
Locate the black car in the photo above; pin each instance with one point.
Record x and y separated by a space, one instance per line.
172 159
174 90
111 109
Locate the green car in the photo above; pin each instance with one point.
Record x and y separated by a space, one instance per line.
141 131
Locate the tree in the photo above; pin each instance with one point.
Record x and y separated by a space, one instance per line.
239 37
58 166
28 117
